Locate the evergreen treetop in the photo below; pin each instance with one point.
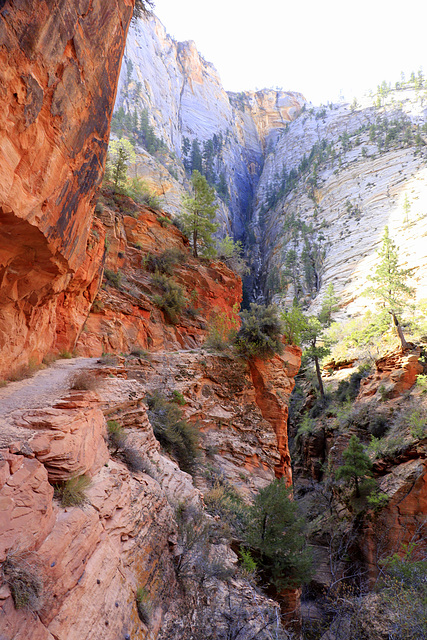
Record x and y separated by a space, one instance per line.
276 529
357 464
390 287
199 214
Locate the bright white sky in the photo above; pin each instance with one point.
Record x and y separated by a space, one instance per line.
320 48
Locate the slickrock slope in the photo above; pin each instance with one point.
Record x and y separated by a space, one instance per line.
58 75
183 97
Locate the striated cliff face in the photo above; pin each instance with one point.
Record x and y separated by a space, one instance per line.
183 96
356 170
58 77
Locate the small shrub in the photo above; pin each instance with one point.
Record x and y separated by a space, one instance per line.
116 435
72 493
248 566
108 359
378 500
113 277
23 576
418 425
260 333
25 371
164 222
306 427
224 501
144 605
176 435
165 262
223 329
65 355
422 382
178 398
172 299
97 306
132 459
84 381
140 353
231 253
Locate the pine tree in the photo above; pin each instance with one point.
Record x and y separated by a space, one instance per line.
120 167
357 464
277 531
330 305
196 156
310 335
390 288
198 218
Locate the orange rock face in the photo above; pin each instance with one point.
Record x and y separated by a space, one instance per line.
395 372
125 317
274 381
68 438
58 74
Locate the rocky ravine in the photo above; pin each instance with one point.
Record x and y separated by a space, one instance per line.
183 96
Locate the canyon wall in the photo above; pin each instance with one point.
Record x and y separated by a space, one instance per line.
58 77
356 170
184 98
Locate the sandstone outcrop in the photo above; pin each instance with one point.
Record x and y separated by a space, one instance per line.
395 373
240 409
58 75
125 318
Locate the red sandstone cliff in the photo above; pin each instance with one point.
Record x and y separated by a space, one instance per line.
59 66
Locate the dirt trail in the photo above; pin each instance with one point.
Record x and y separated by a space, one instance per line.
43 389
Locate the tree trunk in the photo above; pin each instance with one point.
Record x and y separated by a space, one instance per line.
319 377
399 330
195 243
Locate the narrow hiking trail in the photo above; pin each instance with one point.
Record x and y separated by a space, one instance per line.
43 389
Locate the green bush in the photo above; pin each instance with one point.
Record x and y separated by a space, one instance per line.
248 565
172 299
165 262
113 277
144 605
23 576
116 435
178 398
260 333
176 435
73 491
